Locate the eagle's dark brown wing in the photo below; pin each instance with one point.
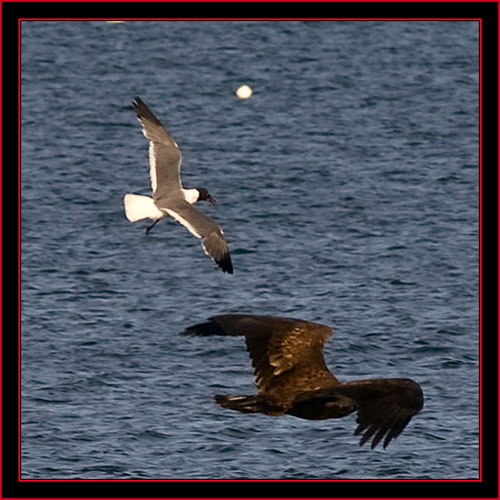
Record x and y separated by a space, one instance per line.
384 406
287 354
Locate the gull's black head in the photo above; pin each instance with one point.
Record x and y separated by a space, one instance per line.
205 196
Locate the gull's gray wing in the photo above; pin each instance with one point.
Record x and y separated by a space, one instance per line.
165 157
200 225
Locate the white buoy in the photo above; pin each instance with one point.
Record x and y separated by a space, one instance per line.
115 22
244 92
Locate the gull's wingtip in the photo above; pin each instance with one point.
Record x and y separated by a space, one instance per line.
226 264
136 102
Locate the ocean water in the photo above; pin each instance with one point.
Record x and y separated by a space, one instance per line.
348 189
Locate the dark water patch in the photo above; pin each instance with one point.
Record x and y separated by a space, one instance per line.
151 435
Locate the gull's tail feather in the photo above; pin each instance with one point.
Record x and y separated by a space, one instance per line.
139 207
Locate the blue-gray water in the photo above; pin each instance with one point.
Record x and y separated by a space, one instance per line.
348 190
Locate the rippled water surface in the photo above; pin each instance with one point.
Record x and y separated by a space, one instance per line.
348 190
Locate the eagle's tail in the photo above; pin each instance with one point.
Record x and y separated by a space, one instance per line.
248 404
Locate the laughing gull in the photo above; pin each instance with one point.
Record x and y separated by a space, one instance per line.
169 197
292 378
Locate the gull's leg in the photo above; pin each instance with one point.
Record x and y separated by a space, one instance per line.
151 226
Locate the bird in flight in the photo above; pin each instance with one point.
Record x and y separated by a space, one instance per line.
292 378
169 197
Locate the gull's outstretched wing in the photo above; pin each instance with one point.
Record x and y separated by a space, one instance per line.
165 157
200 225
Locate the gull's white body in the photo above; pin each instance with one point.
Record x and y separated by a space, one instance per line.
138 206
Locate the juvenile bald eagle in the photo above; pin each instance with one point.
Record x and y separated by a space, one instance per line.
292 378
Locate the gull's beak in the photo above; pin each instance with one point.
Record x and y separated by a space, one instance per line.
212 201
